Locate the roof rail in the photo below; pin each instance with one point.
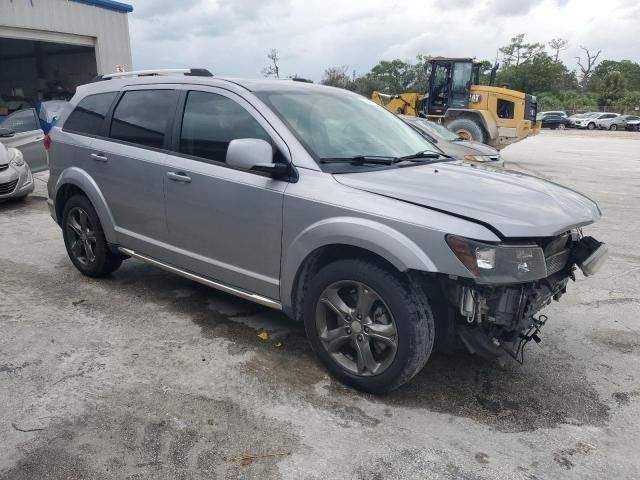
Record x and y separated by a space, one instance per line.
193 72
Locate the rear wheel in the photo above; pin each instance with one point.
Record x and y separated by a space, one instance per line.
613 127
467 129
85 241
368 327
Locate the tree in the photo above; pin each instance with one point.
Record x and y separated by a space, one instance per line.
518 51
274 69
396 76
589 62
629 70
557 45
614 89
337 77
537 74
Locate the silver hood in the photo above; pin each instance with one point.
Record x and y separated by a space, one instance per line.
514 204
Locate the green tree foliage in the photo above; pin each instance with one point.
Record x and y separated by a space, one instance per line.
517 51
537 74
614 89
629 70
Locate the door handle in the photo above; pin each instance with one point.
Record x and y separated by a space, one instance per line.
179 177
99 157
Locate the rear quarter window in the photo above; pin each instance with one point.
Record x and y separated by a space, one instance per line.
88 116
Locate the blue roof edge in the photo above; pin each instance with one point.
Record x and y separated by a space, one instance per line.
108 4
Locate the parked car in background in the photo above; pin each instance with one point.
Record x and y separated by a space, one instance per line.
633 125
29 128
590 122
576 117
453 145
562 113
16 181
618 123
604 120
554 120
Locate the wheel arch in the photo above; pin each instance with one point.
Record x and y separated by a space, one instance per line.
76 181
329 240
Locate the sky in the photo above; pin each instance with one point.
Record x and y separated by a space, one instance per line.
233 37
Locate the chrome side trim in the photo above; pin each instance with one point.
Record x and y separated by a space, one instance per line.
267 302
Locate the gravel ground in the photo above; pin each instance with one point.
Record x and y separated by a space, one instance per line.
148 375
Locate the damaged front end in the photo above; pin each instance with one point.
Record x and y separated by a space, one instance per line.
497 312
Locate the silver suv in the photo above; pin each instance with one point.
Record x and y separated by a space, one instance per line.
317 202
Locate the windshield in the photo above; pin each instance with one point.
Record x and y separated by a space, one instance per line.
335 124
435 129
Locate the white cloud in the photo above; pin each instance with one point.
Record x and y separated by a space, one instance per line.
232 37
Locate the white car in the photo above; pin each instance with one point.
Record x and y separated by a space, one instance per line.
541 115
591 121
16 181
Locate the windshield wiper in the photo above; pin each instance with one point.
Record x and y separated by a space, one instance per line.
423 156
359 159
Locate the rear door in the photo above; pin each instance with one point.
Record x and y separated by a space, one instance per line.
28 138
223 223
129 166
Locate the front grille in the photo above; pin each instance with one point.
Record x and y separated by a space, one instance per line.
7 188
4 167
557 261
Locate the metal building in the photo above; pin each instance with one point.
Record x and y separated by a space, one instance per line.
48 47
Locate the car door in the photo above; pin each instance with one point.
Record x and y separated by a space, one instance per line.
128 164
224 223
27 138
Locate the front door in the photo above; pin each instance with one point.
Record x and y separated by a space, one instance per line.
27 138
224 223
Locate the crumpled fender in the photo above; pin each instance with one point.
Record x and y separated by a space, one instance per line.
370 235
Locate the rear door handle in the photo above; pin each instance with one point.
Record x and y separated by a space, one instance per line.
179 177
99 157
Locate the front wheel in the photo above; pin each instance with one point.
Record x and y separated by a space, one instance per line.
613 127
368 326
591 126
468 129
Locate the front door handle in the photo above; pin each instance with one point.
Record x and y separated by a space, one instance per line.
99 157
179 177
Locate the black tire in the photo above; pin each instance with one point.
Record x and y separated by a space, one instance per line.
103 262
591 126
613 127
471 128
410 311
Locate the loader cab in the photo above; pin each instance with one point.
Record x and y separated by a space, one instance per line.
450 81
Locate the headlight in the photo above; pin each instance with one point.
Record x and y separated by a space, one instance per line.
499 263
17 160
481 158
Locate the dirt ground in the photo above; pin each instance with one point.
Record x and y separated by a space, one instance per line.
149 375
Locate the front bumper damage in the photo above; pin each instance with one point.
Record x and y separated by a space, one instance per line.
497 320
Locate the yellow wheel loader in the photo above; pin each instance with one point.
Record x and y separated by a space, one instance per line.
484 113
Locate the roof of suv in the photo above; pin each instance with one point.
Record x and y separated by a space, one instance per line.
253 85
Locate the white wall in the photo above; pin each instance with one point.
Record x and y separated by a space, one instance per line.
65 21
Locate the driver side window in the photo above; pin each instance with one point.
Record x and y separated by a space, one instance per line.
21 121
211 121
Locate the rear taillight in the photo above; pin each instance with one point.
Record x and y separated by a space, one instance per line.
46 141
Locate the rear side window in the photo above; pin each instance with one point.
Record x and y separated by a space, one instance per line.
505 108
211 121
142 117
21 121
88 116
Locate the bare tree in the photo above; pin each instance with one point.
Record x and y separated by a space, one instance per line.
589 63
274 69
557 45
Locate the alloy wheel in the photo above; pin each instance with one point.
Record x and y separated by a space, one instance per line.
82 236
356 328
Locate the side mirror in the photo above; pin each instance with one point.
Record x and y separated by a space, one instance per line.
6 132
254 154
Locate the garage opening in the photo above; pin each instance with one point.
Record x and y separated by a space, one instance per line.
32 71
